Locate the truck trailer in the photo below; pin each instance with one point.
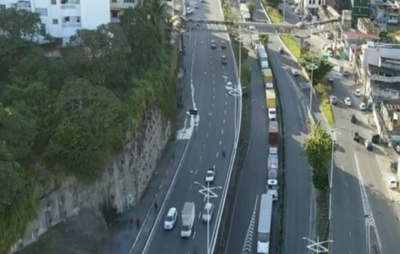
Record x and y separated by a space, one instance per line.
270 98
188 215
262 57
273 133
267 76
264 224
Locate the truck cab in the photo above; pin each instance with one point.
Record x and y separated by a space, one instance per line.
272 187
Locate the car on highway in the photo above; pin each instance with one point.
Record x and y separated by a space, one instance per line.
393 167
295 72
196 5
347 101
392 182
210 175
368 145
229 86
171 218
281 50
269 85
356 137
357 92
213 44
224 60
223 45
346 73
189 10
362 106
206 216
272 114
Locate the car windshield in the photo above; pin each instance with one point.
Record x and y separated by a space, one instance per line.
169 219
209 174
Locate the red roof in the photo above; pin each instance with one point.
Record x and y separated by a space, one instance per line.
357 34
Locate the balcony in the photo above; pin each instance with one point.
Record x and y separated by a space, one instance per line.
386 79
23 5
123 4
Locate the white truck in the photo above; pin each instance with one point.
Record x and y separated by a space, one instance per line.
262 56
264 224
188 215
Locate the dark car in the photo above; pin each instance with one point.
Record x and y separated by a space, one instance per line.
223 45
353 119
356 137
224 60
368 145
281 50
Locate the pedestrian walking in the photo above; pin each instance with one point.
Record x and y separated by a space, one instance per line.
137 223
155 206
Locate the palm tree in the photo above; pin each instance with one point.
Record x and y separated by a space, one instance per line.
157 11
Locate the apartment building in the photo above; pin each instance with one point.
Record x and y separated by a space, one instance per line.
359 9
118 6
62 18
385 12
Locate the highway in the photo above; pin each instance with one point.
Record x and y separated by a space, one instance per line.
215 132
298 192
359 186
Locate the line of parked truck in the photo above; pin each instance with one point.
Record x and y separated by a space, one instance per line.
267 199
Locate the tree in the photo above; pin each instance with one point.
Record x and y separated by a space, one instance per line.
264 39
323 67
318 150
92 127
273 3
251 6
158 17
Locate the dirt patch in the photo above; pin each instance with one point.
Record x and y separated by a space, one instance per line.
83 234
322 218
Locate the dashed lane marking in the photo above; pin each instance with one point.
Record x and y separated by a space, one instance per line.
222 132
248 241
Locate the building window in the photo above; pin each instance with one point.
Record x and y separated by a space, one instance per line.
129 1
53 2
65 19
41 11
55 21
114 14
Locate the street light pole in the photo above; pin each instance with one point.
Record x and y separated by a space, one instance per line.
312 67
283 10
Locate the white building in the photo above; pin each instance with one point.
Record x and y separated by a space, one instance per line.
63 17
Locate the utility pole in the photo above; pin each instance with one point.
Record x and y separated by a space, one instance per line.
283 10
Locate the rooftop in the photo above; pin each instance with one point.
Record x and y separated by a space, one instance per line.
393 105
357 34
373 52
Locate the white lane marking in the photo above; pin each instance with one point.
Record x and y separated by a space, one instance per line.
213 97
201 158
226 95
226 103
369 220
195 172
248 241
207 135
190 187
209 124
213 89
194 235
214 166
222 132
213 81
220 142
212 105
204 146
224 112
223 121
216 156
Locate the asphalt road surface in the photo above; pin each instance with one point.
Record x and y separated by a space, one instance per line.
298 187
215 133
253 179
359 186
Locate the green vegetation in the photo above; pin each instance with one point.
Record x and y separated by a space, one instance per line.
68 115
251 6
264 39
322 216
323 67
318 150
292 45
273 13
389 37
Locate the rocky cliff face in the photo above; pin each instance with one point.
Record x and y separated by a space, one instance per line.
121 186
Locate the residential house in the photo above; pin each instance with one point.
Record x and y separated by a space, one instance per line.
385 12
118 6
367 26
352 39
390 112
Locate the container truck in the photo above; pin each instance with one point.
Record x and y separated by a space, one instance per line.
188 215
267 75
271 99
262 57
264 224
273 133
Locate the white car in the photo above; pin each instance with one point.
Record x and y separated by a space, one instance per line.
357 93
363 106
207 212
295 72
297 11
347 101
210 175
229 86
189 10
269 86
196 5
170 220
272 114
